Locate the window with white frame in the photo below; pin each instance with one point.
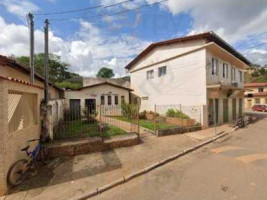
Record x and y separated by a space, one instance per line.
150 74
214 67
225 70
162 71
240 76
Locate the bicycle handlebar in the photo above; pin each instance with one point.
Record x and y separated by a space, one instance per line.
33 140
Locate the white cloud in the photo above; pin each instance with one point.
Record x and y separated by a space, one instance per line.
19 7
88 51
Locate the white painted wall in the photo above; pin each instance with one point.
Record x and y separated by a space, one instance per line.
216 79
184 83
95 93
166 52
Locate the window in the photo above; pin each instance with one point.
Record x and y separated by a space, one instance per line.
102 100
150 74
240 76
214 70
162 71
257 101
233 74
109 100
122 99
266 101
261 89
116 100
225 70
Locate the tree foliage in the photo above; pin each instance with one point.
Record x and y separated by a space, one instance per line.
105 72
58 70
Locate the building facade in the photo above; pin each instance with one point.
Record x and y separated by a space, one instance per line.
20 118
200 70
255 93
90 97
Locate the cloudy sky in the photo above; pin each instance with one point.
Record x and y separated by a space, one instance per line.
88 41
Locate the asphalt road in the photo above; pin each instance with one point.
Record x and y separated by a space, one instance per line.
233 168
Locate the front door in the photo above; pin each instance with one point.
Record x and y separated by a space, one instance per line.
234 109
249 103
225 110
240 113
90 105
213 111
75 109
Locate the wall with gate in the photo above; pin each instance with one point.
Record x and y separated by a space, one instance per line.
19 122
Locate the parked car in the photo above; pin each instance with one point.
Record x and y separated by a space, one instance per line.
260 108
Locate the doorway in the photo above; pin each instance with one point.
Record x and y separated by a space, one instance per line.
213 114
234 109
225 110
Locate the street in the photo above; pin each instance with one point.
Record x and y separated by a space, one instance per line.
232 168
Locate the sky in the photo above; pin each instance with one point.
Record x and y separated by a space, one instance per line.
89 40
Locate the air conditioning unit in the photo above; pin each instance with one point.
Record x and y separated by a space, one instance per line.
234 84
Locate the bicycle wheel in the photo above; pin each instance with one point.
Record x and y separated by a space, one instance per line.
17 172
44 155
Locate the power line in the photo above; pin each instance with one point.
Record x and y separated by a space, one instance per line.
83 9
110 15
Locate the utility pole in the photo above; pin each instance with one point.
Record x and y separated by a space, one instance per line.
46 60
31 23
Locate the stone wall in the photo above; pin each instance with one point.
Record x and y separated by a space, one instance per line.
85 146
177 130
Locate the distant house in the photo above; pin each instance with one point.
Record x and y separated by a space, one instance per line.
256 93
20 118
91 96
199 70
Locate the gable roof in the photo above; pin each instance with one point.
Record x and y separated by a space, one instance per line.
105 83
255 85
5 61
209 36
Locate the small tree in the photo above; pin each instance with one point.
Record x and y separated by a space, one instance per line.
105 72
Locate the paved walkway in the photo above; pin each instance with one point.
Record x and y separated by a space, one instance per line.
66 177
232 168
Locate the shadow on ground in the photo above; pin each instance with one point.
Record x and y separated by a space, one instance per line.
67 169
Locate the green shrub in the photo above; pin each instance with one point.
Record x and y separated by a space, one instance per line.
176 114
142 115
129 110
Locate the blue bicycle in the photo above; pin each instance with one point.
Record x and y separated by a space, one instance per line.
20 169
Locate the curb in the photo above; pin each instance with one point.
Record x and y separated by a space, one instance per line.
151 167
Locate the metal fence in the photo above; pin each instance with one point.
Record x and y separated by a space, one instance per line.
97 121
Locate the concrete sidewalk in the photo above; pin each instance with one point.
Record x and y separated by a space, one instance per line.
65 177
210 132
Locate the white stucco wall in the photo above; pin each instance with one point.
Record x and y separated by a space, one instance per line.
184 83
95 93
167 51
216 79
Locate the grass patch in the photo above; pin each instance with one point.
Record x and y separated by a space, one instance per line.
145 123
82 128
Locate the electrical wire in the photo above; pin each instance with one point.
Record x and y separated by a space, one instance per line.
114 14
82 9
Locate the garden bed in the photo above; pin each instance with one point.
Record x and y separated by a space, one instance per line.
146 123
81 128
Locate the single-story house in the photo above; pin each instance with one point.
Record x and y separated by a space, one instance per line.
199 70
94 95
255 93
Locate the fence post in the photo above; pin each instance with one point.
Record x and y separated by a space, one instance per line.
155 122
138 126
100 124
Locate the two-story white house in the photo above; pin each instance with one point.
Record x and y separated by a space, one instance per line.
198 70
